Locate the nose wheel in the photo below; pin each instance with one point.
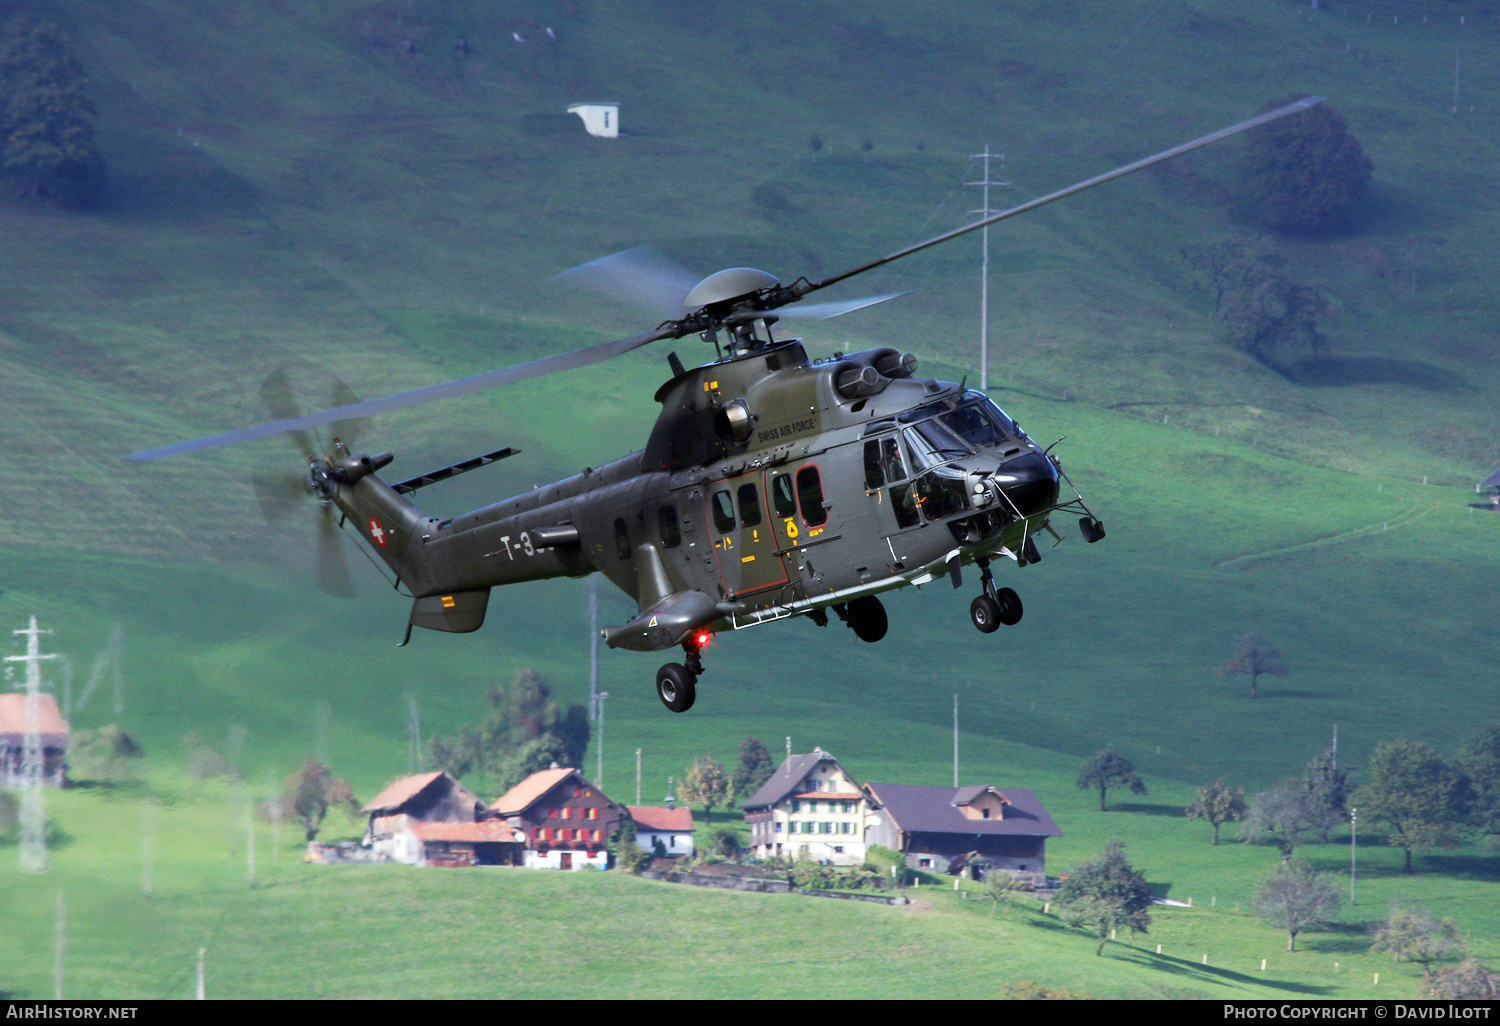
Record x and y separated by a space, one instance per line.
994 607
677 683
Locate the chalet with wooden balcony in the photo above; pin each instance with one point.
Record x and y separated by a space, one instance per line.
968 830
811 805
566 821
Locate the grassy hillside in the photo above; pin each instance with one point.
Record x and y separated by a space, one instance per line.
292 182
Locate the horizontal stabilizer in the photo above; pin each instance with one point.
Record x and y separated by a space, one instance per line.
457 613
423 480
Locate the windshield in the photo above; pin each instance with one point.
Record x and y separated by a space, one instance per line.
980 422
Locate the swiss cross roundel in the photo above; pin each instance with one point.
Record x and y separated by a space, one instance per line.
378 533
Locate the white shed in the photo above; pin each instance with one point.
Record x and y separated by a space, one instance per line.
601 119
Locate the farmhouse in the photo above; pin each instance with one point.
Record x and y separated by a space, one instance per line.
430 819
672 829
811 805
52 733
565 821
967 830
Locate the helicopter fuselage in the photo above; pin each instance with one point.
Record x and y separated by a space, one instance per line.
771 486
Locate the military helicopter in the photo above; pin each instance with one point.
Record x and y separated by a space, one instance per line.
772 485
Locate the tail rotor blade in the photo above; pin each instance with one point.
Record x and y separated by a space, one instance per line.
351 429
278 495
280 402
333 569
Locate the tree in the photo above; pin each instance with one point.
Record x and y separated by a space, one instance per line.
1304 173
1281 816
1480 762
1219 804
1002 888
1467 981
1254 655
1294 897
47 145
1416 794
1328 790
754 770
705 784
1104 894
312 792
525 731
726 842
1264 313
1416 935
1109 769
628 855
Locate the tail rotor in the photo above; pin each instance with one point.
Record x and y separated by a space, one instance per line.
282 494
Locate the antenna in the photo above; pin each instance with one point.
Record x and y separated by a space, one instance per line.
984 211
33 810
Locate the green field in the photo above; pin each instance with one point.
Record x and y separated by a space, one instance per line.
287 182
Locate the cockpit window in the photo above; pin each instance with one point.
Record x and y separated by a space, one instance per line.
932 444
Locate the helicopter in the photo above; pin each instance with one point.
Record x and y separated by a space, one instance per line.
772 485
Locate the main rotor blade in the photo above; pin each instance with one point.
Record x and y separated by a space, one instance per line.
641 277
823 311
417 396
804 288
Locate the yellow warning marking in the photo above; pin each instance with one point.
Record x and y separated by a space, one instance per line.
747 559
791 529
448 602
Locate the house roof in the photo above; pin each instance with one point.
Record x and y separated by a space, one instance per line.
400 791
483 832
935 810
50 724
788 778
1492 481
531 790
654 817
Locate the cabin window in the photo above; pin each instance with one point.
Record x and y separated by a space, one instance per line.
904 506
782 499
749 497
810 496
671 533
723 512
622 538
874 473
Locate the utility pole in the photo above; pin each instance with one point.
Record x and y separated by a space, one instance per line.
1353 823
595 709
638 776
33 810
955 739
599 761
984 264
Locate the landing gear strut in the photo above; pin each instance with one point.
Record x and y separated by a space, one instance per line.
994 608
677 684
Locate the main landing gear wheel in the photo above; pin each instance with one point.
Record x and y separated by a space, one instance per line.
985 612
676 687
1010 606
867 619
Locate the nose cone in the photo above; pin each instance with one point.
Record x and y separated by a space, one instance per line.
1029 481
